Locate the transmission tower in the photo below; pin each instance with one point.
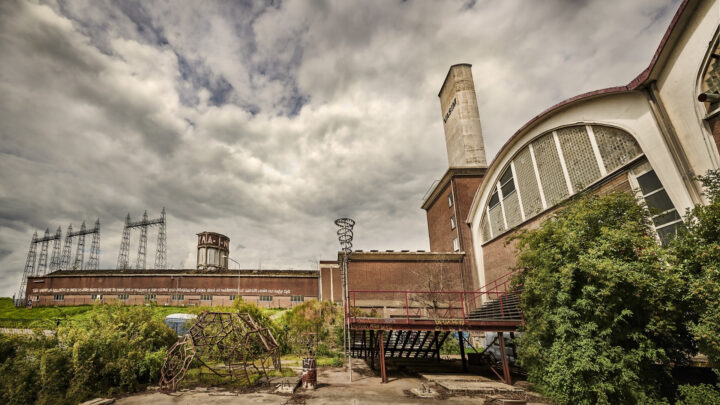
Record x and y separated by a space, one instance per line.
143 225
55 258
142 246
29 269
42 261
80 252
94 262
65 257
161 252
123 256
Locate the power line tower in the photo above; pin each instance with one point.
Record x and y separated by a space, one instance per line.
65 257
143 225
161 252
124 254
142 246
42 261
55 258
94 262
80 252
29 269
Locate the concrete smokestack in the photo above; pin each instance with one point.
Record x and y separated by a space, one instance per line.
461 118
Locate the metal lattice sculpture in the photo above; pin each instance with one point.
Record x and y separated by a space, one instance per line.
227 344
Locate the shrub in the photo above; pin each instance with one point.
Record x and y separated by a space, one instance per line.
320 317
703 394
604 315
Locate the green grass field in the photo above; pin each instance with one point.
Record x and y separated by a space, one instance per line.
48 317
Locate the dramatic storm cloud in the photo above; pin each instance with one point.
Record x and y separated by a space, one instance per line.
266 121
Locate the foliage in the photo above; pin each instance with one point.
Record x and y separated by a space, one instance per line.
601 309
323 318
118 349
696 254
703 394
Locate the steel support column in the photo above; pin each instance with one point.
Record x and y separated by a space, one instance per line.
505 365
461 338
381 354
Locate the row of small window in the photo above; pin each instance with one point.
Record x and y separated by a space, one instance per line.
180 297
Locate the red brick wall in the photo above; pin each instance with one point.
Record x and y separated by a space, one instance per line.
78 289
500 256
438 219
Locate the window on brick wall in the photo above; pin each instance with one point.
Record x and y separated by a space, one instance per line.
150 297
297 298
266 298
450 200
59 297
177 297
123 297
232 298
452 222
96 297
206 297
456 244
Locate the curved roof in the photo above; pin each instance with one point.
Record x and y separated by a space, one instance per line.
645 77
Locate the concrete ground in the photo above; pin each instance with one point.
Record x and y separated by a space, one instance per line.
335 388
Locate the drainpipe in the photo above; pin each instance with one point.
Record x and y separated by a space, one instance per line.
669 134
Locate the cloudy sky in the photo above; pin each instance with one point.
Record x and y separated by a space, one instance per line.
265 121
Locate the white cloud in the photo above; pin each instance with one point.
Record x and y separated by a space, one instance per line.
267 123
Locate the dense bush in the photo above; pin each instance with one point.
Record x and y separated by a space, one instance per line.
320 317
118 349
696 253
604 313
703 394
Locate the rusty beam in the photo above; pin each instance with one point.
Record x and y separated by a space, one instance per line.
505 365
381 354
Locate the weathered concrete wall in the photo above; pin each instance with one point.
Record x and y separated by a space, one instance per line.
331 281
459 108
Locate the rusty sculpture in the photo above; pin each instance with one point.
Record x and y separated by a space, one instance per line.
228 344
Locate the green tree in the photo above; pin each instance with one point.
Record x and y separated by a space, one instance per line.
696 253
604 314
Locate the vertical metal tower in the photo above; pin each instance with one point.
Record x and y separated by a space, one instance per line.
161 252
80 252
143 224
123 256
345 237
29 269
65 257
94 262
142 246
42 261
55 258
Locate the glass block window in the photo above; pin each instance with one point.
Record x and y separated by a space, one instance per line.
266 298
485 228
664 215
507 185
712 76
550 170
496 219
579 157
297 298
616 146
512 210
527 183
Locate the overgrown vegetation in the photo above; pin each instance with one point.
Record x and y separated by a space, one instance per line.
103 350
608 310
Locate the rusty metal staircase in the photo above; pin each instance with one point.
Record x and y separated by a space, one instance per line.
399 343
505 308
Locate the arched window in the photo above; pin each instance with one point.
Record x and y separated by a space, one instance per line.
550 169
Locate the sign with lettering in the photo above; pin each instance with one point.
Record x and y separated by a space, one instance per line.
214 239
231 291
450 110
